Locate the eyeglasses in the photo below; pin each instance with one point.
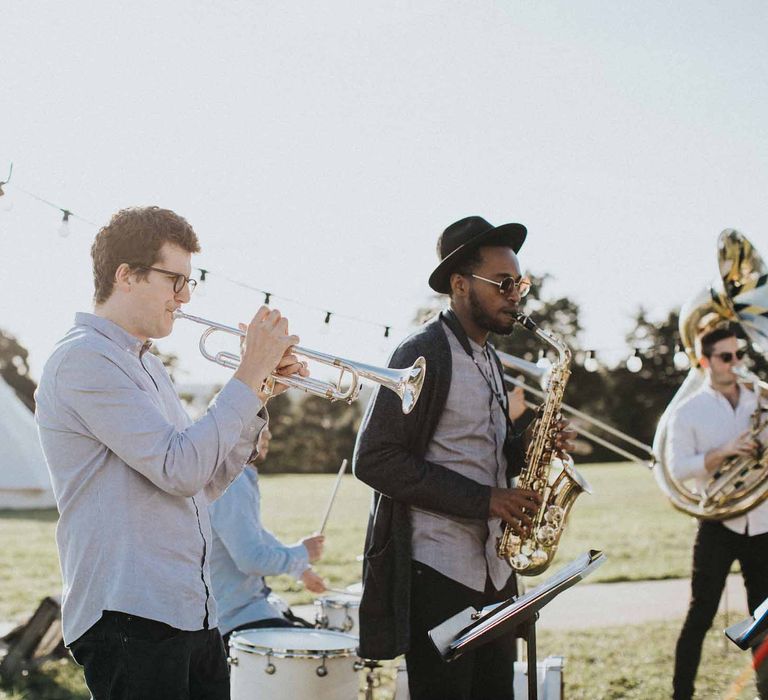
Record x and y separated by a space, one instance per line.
179 280
509 284
728 357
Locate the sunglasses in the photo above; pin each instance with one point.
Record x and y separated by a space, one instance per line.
729 356
509 284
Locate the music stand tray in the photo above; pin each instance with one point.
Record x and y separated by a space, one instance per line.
472 628
750 632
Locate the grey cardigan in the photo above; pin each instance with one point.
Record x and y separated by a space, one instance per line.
389 457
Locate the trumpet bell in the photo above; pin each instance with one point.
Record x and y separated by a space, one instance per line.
406 383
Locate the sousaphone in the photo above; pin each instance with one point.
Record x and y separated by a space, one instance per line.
738 295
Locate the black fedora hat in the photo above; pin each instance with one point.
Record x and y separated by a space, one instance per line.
461 238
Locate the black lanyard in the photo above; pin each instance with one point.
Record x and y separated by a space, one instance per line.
450 319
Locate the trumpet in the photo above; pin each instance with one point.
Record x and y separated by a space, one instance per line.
405 382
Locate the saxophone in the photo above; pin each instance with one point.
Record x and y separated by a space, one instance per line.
533 553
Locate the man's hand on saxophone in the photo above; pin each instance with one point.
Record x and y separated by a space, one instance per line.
515 507
564 437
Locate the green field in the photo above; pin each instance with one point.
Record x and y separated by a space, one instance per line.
626 517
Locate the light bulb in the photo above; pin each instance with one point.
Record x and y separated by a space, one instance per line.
634 363
590 363
681 361
63 229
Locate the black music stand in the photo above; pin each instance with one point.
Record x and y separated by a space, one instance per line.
752 631
472 628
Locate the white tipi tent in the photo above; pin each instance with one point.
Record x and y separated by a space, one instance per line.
24 478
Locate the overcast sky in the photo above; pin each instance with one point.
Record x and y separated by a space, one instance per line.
319 149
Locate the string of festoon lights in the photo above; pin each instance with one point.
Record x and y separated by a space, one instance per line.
589 358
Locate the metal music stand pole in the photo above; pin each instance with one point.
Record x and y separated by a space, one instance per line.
533 671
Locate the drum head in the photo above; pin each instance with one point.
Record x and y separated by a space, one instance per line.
355 588
293 642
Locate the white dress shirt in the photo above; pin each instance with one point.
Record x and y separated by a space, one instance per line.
704 422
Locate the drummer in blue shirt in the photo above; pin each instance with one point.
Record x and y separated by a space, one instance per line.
244 552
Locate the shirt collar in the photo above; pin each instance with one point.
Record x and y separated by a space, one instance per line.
128 342
720 396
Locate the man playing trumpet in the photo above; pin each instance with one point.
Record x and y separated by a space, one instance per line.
133 475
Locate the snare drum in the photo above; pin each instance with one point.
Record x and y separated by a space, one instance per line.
339 612
290 663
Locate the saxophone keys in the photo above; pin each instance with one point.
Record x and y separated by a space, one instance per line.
520 562
554 515
539 557
546 535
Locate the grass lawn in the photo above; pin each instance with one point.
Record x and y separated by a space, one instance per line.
627 517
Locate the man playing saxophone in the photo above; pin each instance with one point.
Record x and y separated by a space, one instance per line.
442 474
707 430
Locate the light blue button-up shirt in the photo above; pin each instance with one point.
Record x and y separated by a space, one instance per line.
133 477
244 552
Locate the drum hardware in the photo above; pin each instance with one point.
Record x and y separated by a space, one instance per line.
338 612
372 678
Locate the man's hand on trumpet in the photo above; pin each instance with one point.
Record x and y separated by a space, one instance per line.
265 348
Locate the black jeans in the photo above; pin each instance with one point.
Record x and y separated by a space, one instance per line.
715 549
484 674
126 657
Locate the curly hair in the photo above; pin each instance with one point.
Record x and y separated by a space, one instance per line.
135 236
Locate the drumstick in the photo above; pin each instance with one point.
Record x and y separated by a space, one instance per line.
342 469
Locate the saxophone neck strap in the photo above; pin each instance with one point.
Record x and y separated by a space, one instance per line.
450 319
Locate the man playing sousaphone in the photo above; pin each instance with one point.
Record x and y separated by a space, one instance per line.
705 431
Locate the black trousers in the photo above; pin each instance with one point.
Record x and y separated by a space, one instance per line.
484 674
126 657
715 549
